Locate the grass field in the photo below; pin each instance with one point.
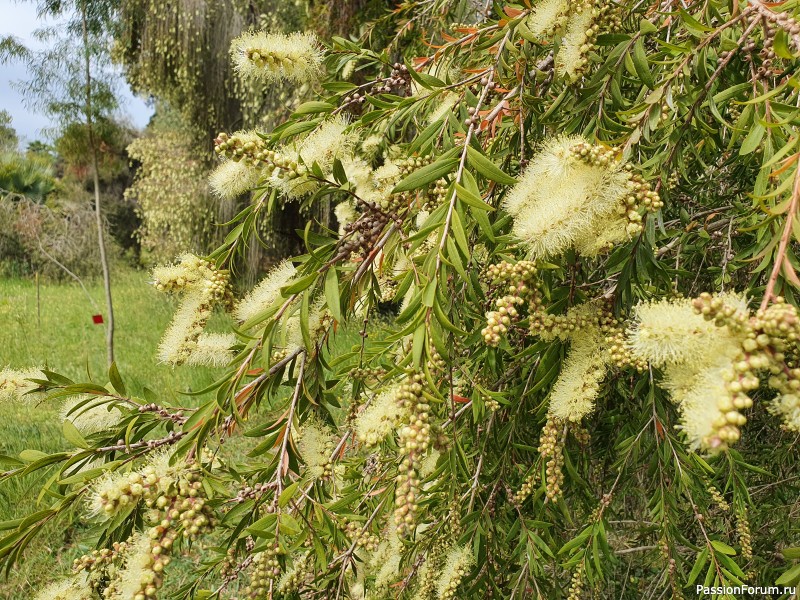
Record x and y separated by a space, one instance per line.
54 328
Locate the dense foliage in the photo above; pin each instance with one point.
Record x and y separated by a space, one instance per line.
550 351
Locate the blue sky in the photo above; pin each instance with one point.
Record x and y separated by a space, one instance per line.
20 20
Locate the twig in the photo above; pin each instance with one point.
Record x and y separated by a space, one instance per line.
780 257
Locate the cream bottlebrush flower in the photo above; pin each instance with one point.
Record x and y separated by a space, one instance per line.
578 384
380 418
787 407
212 350
444 104
114 492
98 414
138 570
670 331
345 214
457 564
266 293
697 392
231 179
14 384
75 588
180 339
274 56
371 146
386 560
547 16
571 55
560 199
325 144
315 444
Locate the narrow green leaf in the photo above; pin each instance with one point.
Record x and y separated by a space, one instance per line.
72 435
471 199
487 168
640 64
426 175
332 294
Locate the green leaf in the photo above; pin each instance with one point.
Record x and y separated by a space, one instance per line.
780 45
116 380
487 168
429 293
72 435
287 494
640 64
699 563
299 285
790 577
332 294
646 27
289 524
753 139
427 174
471 199
791 553
30 456
723 547
315 106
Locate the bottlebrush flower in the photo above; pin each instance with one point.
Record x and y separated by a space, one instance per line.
578 384
380 418
74 588
274 56
345 214
787 407
138 570
96 414
547 16
669 331
315 444
566 199
571 57
456 566
14 384
325 144
231 178
212 350
266 293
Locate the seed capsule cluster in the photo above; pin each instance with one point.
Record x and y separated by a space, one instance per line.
519 290
414 440
718 499
551 447
639 195
183 512
294 578
743 532
766 338
601 16
576 583
361 235
254 152
266 569
526 488
364 539
367 373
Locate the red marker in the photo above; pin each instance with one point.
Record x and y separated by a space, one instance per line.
97 319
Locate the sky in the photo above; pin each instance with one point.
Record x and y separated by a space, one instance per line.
20 20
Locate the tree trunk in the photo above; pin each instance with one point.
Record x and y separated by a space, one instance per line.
96 181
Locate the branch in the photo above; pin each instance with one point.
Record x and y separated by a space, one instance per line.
780 257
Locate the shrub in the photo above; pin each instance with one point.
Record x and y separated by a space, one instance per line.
583 215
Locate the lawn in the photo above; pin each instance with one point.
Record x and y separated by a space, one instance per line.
50 325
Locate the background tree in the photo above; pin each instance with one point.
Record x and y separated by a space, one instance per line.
76 87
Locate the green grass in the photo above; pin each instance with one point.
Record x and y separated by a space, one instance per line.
54 329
